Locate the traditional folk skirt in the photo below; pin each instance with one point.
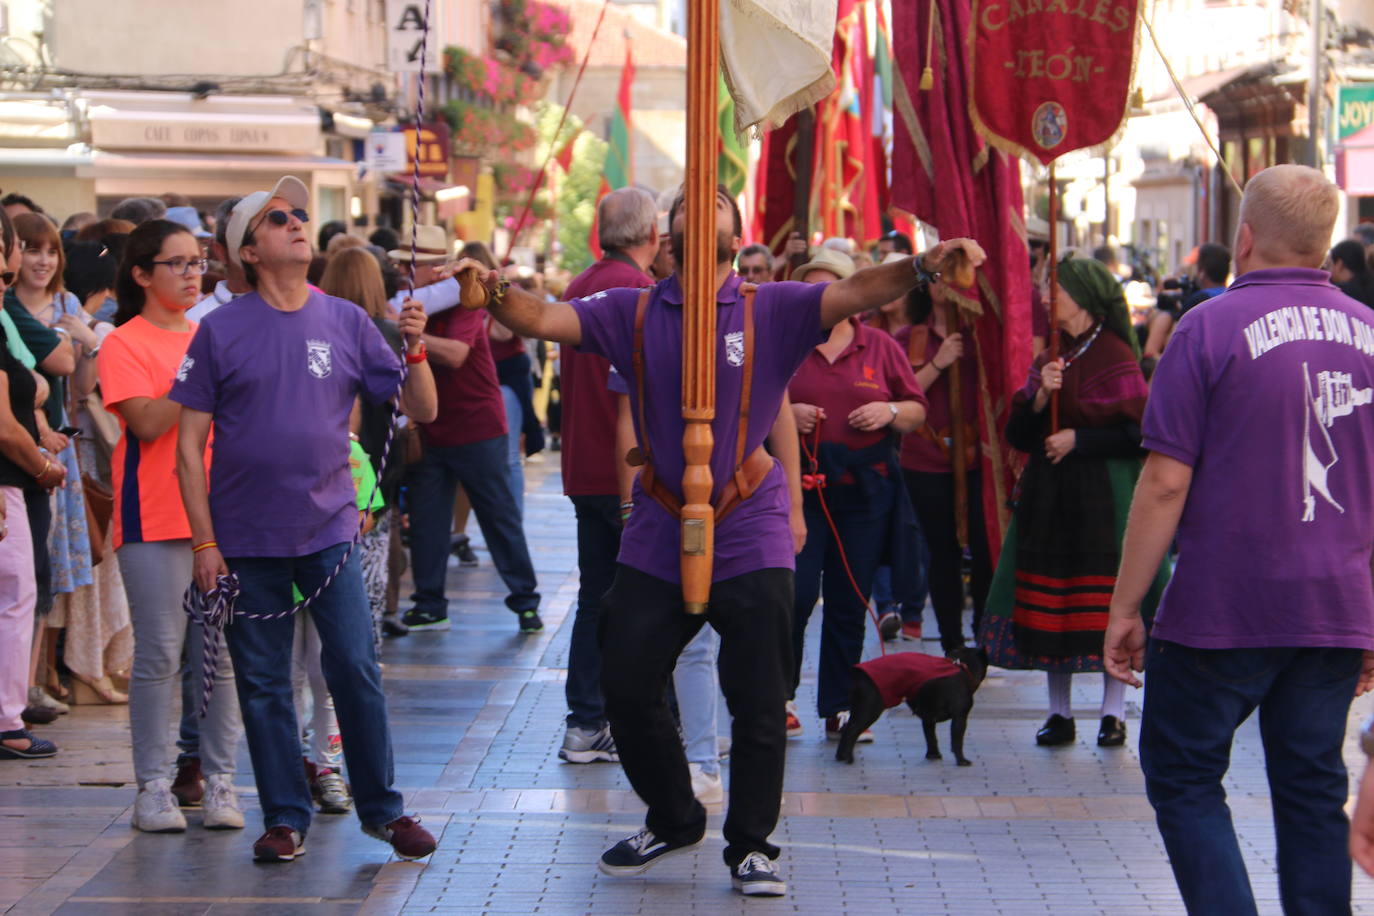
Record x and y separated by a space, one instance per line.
1048 604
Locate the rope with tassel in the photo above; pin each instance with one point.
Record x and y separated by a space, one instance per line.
215 610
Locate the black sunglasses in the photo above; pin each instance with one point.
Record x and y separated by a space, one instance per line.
281 218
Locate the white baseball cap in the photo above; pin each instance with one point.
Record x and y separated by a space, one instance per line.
289 188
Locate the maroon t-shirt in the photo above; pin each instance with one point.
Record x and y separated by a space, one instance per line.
589 458
504 349
919 452
871 368
470 405
899 675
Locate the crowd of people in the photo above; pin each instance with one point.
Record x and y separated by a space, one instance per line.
143 354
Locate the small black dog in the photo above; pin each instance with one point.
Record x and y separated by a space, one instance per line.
937 689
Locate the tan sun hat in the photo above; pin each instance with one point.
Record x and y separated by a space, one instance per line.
836 262
431 245
289 188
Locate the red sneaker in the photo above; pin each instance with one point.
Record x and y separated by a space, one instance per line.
278 844
794 726
406 836
911 631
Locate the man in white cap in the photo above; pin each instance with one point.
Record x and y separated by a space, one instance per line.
278 375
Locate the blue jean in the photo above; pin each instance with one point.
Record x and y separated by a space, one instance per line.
1194 701
481 467
862 523
515 418
598 545
262 651
696 686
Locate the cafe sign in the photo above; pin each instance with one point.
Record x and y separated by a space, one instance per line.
1354 109
181 131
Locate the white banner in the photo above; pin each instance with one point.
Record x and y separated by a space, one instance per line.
405 31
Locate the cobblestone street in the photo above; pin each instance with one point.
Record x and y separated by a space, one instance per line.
477 718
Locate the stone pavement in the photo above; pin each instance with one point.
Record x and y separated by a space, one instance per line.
477 721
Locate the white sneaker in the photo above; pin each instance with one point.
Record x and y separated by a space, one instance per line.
706 787
221 803
155 809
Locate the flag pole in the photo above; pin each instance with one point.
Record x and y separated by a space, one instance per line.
698 274
1054 291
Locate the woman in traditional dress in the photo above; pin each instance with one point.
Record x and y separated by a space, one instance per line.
1047 608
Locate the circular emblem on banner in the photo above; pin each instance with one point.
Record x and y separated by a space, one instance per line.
1049 125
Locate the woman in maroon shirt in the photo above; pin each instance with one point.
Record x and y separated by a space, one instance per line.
934 350
850 396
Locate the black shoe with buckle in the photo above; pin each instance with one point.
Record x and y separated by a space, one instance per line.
635 854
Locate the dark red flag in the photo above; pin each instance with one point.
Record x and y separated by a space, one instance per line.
1051 76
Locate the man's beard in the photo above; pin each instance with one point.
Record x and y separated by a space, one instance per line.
725 252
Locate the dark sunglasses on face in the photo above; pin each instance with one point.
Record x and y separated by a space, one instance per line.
282 217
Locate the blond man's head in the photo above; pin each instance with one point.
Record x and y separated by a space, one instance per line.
1287 216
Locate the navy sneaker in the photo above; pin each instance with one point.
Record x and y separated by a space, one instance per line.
461 548
757 876
530 622
416 619
635 854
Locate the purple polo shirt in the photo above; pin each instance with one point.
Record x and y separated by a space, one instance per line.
1267 392
787 324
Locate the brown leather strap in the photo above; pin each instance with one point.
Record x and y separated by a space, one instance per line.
737 489
641 309
745 390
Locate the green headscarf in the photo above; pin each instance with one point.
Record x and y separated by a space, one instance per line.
1100 294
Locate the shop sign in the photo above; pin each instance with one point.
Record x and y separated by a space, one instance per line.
386 152
405 34
178 132
1354 109
431 152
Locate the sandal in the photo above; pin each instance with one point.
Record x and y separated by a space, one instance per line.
37 746
98 691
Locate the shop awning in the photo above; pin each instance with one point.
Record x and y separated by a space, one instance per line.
218 123
37 122
108 163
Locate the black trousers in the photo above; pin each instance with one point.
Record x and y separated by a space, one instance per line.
643 630
932 496
598 543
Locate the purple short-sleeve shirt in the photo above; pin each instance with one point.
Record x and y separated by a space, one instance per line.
280 386
787 325
1267 392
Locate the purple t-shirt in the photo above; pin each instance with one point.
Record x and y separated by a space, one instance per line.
281 386
787 325
1266 391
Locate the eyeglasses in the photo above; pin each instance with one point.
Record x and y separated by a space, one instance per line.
183 267
281 218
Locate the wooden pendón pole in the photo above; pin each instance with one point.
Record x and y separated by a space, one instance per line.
1054 291
958 445
699 304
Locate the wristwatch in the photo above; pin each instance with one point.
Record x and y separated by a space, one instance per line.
923 277
892 407
1367 738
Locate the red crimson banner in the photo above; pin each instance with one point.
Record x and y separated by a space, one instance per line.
1051 76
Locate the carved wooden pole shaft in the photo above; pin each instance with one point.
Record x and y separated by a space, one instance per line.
699 304
1054 291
